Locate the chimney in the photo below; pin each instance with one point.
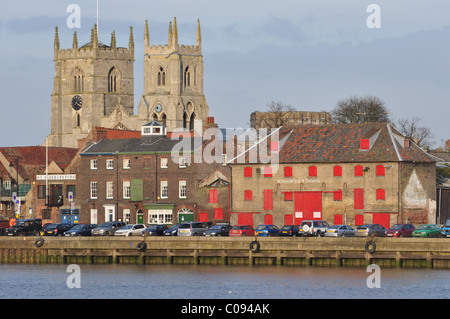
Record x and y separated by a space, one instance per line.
407 143
447 145
98 134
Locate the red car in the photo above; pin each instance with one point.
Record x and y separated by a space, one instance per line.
400 230
242 230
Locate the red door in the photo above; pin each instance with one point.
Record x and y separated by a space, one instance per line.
268 219
245 219
308 205
382 219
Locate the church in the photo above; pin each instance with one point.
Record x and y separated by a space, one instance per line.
94 86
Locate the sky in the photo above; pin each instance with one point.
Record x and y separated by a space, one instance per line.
307 54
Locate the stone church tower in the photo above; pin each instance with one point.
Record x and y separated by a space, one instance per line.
94 87
90 83
173 82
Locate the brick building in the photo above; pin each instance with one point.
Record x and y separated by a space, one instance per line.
342 173
138 181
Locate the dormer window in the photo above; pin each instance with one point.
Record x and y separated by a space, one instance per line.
153 128
364 144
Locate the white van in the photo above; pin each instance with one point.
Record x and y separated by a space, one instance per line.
192 229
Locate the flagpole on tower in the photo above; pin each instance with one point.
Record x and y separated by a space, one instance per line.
97 16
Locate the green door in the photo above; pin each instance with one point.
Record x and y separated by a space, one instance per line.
185 217
140 218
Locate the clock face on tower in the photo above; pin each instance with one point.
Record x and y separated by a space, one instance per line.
77 102
158 108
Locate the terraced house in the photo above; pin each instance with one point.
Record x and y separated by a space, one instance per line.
137 180
342 173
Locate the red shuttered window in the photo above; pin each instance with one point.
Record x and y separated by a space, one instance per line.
337 170
359 219
213 195
203 217
268 199
359 170
381 194
268 171
337 195
359 198
312 171
248 195
380 171
288 171
218 213
337 219
289 196
364 144
248 172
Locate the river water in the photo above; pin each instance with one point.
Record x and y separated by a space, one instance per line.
218 282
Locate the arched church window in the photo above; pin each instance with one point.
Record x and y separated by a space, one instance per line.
184 120
164 119
161 77
187 77
78 120
191 122
113 80
78 80
155 117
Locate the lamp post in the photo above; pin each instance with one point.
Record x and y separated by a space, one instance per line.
11 167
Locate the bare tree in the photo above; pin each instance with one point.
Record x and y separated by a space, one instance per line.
419 134
278 114
363 109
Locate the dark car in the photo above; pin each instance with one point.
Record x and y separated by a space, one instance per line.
218 230
445 230
57 229
370 230
172 230
80 230
267 230
289 230
155 230
25 227
401 230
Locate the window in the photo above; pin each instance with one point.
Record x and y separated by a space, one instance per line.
164 189
248 195
113 80
164 162
359 219
109 190
312 171
337 170
213 196
358 198
380 170
274 146
288 171
187 77
182 162
337 219
126 215
93 164
288 196
364 144
41 191
359 170
78 81
7 184
182 189
248 172
268 199
94 190
381 194
268 171
126 163
218 213
70 189
126 190
161 77
337 195
109 164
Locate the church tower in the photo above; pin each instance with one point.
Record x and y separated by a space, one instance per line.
173 82
91 82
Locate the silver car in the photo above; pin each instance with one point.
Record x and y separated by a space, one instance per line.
370 230
340 231
130 230
192 229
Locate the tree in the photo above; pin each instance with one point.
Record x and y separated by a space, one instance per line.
411 129
363 109
278 114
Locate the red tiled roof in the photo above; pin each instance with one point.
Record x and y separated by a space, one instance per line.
335 143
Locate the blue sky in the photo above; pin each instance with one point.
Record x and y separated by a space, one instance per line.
308 54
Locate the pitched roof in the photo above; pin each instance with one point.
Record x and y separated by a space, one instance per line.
334 143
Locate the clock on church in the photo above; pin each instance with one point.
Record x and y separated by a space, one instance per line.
77 102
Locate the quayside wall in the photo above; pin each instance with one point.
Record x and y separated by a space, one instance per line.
339 252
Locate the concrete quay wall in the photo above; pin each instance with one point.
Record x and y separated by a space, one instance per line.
340 252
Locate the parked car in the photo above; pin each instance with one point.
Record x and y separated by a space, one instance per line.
192 229
370 230
130 230
25 227
107 229
41 232
313 228
80 230
57 229
172 230
242 230
218 230
400 230
445 230
267 230
340 231
289 230
155 230
428 230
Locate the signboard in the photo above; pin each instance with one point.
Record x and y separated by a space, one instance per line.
70 196
58 177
